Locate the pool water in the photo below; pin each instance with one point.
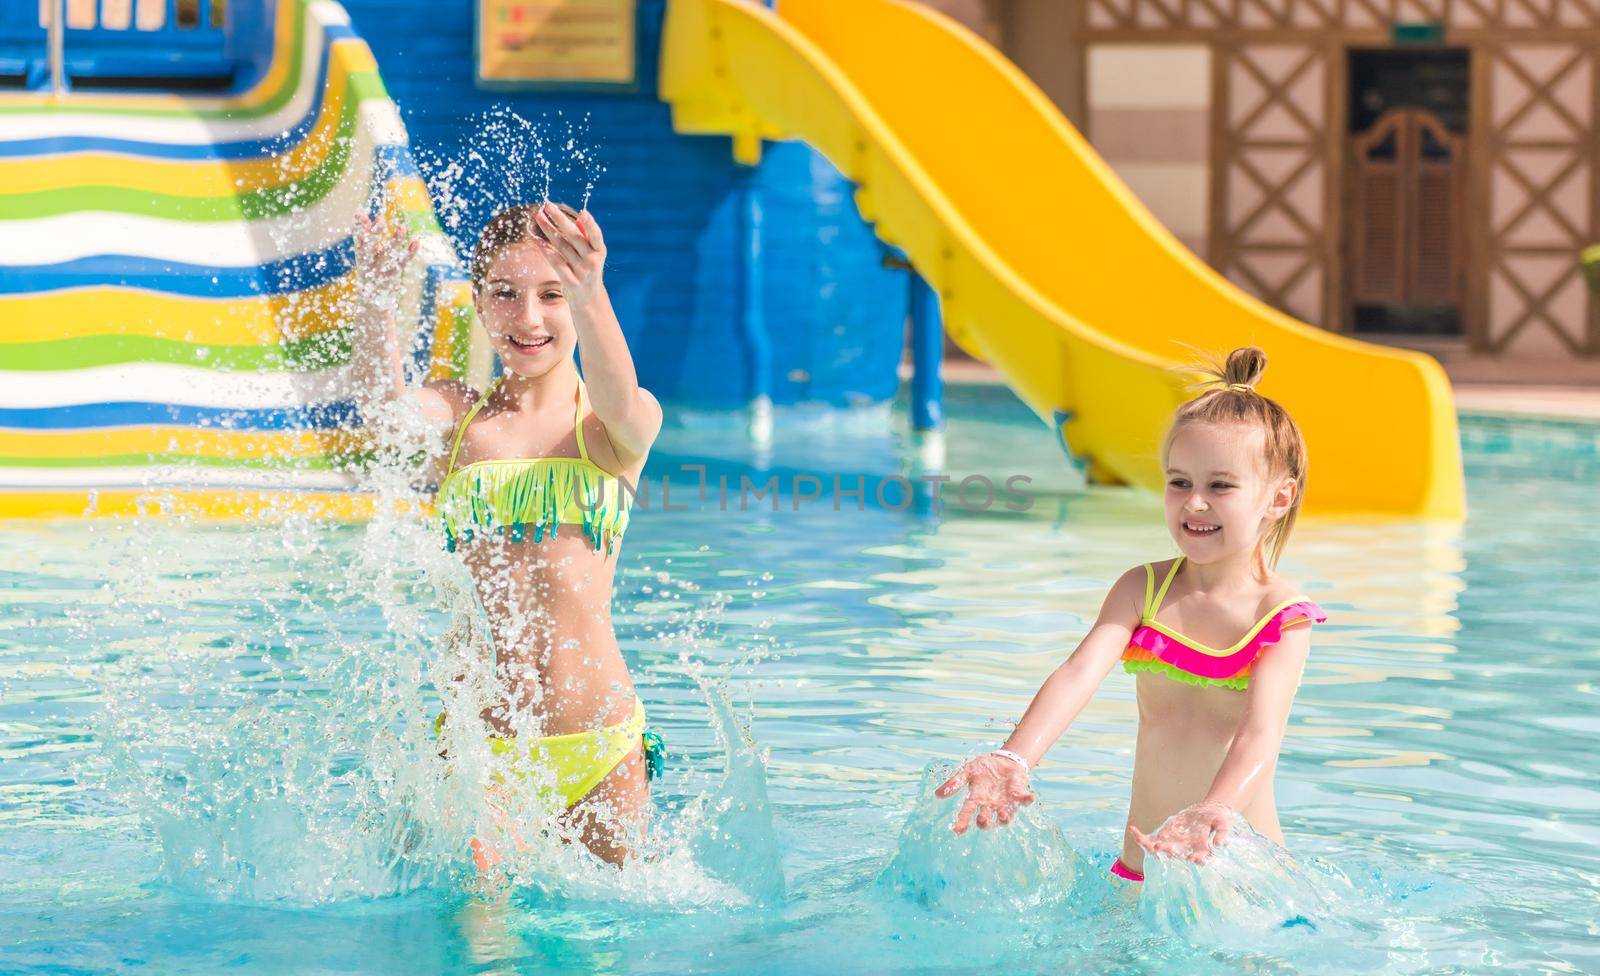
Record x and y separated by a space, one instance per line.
200 770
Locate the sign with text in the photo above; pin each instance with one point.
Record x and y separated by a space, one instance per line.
556 43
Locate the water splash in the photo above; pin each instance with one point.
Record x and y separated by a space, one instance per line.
1253 896
1025 868
732 834
1248 884
294 761
511 160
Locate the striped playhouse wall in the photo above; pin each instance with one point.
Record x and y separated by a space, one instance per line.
171 269
1149 117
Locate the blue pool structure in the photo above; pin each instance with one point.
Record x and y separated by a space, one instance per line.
782 227
217 695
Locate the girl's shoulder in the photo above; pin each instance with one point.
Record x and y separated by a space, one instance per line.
1143 572
457 398
1126 598
1279 591
1160 567
1142 578
1149 576
1285 596
1139 573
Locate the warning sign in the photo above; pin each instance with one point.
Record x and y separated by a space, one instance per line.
556 42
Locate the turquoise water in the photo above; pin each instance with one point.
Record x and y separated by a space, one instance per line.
204 735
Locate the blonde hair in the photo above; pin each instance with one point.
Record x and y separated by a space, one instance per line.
514 225
1230 400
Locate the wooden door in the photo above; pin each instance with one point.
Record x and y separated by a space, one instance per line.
1407 178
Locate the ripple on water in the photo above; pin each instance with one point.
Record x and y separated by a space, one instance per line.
1432 758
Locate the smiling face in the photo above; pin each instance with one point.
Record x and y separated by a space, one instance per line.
1220 499
523 309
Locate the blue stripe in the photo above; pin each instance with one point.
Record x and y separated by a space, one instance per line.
395 162
277 144
302 272
339 413
422 346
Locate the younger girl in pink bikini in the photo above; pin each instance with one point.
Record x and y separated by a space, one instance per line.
1215 638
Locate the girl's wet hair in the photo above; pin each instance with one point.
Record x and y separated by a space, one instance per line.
1230 399
514 225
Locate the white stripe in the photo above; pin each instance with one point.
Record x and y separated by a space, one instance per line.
437 249
191 131
234 243
189 386
408 309
170 476
1149 76
331 13
1177 193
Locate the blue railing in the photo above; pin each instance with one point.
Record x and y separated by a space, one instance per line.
132 40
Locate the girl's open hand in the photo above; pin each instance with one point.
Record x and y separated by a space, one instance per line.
996 786
382 250
1192 833
576 249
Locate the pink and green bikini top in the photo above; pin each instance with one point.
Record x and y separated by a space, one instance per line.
1157 647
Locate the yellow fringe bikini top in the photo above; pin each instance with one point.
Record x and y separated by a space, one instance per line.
508 497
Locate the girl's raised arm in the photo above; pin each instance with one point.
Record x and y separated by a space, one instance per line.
631 415
997 783
1193 832
376 360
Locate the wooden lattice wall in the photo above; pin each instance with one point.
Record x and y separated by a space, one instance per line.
1540 183
1271 231
1279 93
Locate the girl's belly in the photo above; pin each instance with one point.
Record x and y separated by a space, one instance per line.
1171 772
557 664
1184 736
568 679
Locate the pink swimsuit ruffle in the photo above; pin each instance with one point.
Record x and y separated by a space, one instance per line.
1123 871
1187 658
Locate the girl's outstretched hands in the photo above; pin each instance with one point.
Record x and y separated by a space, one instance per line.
576 249
995 785
1192 833
382 250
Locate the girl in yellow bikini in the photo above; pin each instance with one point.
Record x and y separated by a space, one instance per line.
1215 638
535 484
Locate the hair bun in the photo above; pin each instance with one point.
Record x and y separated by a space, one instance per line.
1244 368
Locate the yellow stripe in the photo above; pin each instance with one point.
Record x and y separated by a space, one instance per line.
232 504
405 195
204 321
282 57
187 441
452 296
199 178
262 91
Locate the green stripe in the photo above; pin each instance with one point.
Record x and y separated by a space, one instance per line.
273 103
460 336
424 221
273 201
329 349
74 199
1178 674
321 351
311 462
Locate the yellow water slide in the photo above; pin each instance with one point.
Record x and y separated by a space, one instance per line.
1048 267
